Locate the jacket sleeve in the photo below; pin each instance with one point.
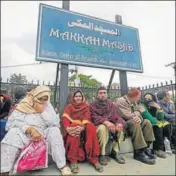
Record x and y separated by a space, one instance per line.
169 116
147 115
123 111
160 115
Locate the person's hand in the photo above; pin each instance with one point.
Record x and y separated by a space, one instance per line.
36 136
137 119
74 131
155 105
141 108
39 107
110 126
1 99
119 127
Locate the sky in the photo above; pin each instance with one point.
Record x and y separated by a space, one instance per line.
154 19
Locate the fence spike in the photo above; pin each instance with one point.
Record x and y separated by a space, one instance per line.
166 82
153 85
161 84
38 82
171 81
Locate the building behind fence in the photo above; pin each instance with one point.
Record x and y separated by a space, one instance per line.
90 93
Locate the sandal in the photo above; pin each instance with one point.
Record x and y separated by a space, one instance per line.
98 167
74 168
66 171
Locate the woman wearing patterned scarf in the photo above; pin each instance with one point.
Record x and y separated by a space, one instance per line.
33 118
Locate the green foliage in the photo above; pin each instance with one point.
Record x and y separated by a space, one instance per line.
18 79
86 81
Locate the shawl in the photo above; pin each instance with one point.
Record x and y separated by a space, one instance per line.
27 104
102 111
77 113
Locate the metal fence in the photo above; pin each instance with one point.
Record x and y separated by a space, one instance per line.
167 86
90 93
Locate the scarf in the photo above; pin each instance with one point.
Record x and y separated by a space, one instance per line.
77 113
102 111
27 104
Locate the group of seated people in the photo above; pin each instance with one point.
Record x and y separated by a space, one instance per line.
89 129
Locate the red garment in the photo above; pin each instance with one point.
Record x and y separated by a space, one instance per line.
75 152
91 150
103 111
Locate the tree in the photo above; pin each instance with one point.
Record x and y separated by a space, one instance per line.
86 81
18 79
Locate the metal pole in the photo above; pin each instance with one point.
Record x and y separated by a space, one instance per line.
64 74
110 81
56 84
122 74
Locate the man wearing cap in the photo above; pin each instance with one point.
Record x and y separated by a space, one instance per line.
139 129
110 127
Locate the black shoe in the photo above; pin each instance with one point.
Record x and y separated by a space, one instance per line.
150 153
141 156
117 157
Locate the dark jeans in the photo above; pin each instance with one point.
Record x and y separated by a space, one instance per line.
160 133
173 136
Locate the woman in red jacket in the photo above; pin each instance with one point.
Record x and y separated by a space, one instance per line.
81 141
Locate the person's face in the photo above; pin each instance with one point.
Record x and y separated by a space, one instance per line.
78 98
43 100
167 97
102 94
148 97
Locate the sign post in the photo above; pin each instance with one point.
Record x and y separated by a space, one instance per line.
64 74
78 39
122 74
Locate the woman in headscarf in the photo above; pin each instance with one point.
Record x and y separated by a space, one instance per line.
33 118
155 114
80 134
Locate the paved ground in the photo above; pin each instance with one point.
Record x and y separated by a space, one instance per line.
132 167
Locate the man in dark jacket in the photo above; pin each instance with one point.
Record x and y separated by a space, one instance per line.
164 102
169 114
